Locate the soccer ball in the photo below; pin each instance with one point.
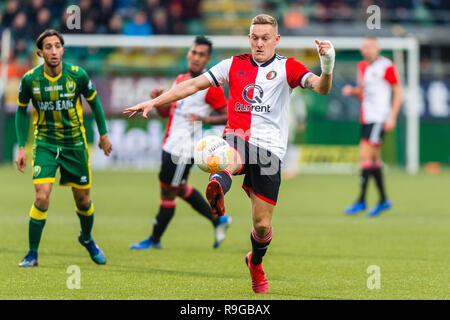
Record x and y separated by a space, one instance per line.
212 154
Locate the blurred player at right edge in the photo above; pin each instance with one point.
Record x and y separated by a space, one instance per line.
377 83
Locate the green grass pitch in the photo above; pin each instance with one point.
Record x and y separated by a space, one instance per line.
317 252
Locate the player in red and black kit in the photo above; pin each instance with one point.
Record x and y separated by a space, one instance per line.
178 146
258 110
380 93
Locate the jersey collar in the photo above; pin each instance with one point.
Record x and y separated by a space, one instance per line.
55 78
265 64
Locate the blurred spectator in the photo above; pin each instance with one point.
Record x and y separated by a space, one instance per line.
160 21
320 12
88 26
103 15
345 12
11 10
86 10
56 7
42 22
123 4
20 27
32 10
294 18
125 8
176 17
139 26
20 33
115 24
191 9
151 6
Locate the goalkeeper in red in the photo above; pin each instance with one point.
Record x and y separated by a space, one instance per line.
55 90
260 85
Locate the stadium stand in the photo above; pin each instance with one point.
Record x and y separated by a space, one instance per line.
425 19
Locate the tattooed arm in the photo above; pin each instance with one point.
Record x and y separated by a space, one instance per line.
320 85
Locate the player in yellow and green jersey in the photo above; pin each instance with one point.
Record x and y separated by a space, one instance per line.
55 90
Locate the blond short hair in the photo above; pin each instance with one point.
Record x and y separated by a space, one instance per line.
265 19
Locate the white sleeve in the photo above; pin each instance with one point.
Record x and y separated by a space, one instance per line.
219 74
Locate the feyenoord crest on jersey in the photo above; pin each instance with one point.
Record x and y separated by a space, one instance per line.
271 75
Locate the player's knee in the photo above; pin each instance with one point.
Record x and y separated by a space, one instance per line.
42 199
185 191
261 226
169 193
83 201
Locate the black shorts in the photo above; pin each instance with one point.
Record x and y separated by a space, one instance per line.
261 169
174 170
373 133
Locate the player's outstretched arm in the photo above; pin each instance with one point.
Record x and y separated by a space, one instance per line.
322 84
22 124
178 92
164 110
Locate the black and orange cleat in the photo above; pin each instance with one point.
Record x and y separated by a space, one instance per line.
215 196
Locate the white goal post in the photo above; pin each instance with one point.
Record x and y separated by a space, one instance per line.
409 45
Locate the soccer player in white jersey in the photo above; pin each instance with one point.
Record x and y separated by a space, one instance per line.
260 84
178 147
379 90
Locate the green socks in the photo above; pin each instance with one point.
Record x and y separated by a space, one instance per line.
35 228
86 221
38 218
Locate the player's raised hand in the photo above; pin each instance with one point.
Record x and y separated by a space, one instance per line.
326 55
144 107
105 144
323 46
21 160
